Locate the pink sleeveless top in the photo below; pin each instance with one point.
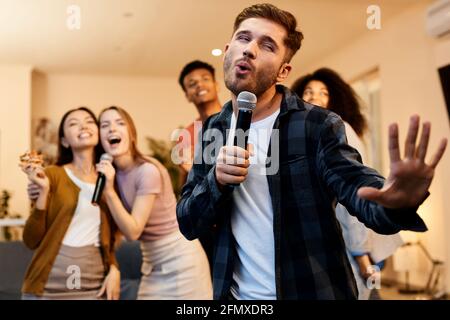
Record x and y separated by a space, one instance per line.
150 178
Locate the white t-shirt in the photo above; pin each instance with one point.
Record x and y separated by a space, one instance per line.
252 221
84 229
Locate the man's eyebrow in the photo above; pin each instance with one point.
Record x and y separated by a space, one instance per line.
243 32
263 38
270 39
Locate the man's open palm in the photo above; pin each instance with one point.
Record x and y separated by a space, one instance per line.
410 177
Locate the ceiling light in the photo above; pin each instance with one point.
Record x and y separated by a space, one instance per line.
216 52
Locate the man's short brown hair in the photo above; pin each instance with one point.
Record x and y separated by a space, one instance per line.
294 38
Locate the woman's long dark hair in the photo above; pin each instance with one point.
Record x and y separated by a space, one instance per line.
342 98
65 155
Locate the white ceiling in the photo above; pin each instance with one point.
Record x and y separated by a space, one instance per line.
161 36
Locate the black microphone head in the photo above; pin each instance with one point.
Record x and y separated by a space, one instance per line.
107 157
246 100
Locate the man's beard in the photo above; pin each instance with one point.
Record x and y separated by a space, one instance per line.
257 82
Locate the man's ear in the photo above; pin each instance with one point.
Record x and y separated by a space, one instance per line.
227 46
284 72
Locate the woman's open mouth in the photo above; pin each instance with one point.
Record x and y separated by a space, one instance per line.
114 141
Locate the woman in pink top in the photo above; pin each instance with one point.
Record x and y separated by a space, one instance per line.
143 206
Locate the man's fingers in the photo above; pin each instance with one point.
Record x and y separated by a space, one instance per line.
410 143
394 149
235 152
230 160
423 144
438 155
234 170
232 179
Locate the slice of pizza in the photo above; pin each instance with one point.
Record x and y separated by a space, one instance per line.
31 160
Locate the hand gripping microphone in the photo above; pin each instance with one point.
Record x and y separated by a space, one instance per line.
101 180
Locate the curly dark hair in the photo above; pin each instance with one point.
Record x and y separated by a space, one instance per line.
342 98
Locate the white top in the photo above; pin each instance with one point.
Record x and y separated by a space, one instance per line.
84 229
356 142
358 239
252 221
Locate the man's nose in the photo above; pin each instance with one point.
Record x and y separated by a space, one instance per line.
250 50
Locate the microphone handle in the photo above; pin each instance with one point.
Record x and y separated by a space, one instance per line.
242 123
99 185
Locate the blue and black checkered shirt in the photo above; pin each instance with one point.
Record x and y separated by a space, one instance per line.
316 168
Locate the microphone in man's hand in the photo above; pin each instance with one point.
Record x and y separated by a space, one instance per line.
246 102
101 180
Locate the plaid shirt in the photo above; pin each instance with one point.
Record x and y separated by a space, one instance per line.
317 168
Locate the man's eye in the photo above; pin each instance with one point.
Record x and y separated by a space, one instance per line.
243 37
268 47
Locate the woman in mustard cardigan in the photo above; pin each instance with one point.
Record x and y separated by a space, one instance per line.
72 239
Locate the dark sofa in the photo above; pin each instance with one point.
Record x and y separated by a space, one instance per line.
15 257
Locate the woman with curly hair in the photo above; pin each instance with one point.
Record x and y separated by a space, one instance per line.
326 89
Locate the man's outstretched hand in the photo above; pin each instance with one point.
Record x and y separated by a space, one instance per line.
410 177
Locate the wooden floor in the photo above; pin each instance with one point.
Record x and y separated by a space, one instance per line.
392 293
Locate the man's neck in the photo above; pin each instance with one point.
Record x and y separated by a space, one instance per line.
268 103
207 109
